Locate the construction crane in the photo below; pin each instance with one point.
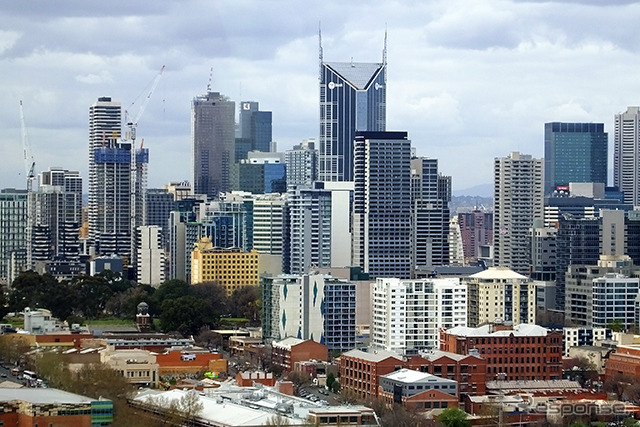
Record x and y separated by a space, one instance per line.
29 167
134 123
29 164
134 170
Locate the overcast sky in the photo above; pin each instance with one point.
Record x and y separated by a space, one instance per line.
469 80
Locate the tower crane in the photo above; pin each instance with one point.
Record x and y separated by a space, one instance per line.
133 124
29 166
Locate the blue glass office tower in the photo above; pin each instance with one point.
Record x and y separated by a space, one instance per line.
255 130
574 152
353 98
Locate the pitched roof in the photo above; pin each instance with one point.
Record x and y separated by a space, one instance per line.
372 355
358 74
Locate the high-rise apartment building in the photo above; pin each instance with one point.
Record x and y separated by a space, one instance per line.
58 213
117 190
311 306
13 236
151 256
408 314
105 124
430 197
574 152
213 138
268 223
302 164
476 228
500 294
159 204
318 232
626 154
353 97
382 226
518 201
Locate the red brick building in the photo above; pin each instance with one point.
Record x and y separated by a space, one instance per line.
248 379
470 371
287 352
625 361
360 371
418 391
520 352
178 362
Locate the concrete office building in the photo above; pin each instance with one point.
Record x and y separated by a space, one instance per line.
582 241
518 201
626 155
353 97
408 314
382 224
213 138
574 152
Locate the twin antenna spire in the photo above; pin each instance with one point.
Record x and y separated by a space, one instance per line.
320 52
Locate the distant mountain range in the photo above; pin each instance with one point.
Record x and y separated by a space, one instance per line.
482 190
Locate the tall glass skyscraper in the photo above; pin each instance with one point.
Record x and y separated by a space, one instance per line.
353 97
213 136
574 152
255 127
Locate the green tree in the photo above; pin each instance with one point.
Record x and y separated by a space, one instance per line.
186 315
331 378
215 295
616 325
454 417
92 294
4 307
31 289
245 302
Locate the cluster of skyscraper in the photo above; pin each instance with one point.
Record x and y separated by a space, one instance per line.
359 197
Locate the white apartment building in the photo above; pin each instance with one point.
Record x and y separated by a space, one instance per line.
151 257
518 201
613 299
408 314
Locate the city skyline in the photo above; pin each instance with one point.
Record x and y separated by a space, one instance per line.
466 96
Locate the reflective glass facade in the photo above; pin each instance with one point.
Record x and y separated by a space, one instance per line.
352 98
574 152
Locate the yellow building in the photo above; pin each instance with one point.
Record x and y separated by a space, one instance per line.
499 294
230 267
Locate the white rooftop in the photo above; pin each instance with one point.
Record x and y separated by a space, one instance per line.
287 342
521 330
372 355
411 376
42 396
502 273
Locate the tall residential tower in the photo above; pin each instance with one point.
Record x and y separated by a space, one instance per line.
518 201
626 155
